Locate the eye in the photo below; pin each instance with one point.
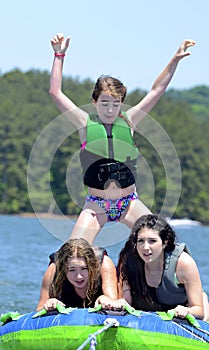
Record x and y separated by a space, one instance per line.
104 104
71 270
152 241
116 104
140 241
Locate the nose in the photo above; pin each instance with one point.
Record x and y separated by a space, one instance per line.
110 107
79 274
146 245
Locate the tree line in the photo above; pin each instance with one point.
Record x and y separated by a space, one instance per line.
39 149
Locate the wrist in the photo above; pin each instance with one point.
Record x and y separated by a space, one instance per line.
61 55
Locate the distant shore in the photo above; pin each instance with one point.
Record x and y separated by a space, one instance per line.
44 215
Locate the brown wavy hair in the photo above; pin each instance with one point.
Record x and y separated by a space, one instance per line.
76 248
109 85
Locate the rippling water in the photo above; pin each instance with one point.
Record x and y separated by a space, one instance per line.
26 244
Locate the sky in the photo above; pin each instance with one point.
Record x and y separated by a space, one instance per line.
131 40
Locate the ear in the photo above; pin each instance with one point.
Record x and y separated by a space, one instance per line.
165 244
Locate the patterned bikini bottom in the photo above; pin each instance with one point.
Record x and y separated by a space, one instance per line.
113 208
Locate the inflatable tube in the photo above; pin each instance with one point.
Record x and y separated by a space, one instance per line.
145 330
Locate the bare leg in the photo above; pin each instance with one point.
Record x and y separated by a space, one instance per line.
135 210
89 223
93 218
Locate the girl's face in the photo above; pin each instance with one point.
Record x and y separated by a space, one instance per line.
149 245
77 272
108 108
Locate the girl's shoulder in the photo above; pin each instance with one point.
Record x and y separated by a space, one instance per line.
185 262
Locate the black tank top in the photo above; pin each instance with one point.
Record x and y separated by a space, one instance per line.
71 299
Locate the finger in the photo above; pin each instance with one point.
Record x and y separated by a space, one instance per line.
55 39
190 42
67 42
60 36
60 303
187 44
188 53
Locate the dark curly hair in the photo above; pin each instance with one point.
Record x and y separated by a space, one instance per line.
130 264
156 223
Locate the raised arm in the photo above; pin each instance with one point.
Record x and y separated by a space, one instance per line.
137 112
76 115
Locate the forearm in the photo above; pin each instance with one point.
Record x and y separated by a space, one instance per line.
109 287
56 77
62 102
43 298
127 296
182 311
196 311
40 306
139 111
45 285
44 293
109 278
165 77
125 291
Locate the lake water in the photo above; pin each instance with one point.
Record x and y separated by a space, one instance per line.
27 242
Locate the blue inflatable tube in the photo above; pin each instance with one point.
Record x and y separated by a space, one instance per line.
139 330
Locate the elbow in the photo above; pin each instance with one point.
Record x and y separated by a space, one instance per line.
52 93
158 91
55 96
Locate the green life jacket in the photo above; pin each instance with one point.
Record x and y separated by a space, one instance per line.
107 158
118 147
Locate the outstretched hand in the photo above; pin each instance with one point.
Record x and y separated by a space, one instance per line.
110 304
51 304
180 311
184 46
59 43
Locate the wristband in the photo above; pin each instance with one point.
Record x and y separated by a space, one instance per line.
59 54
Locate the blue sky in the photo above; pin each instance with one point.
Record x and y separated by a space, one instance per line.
131 40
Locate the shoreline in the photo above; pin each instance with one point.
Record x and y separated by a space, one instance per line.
174 222
43 216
